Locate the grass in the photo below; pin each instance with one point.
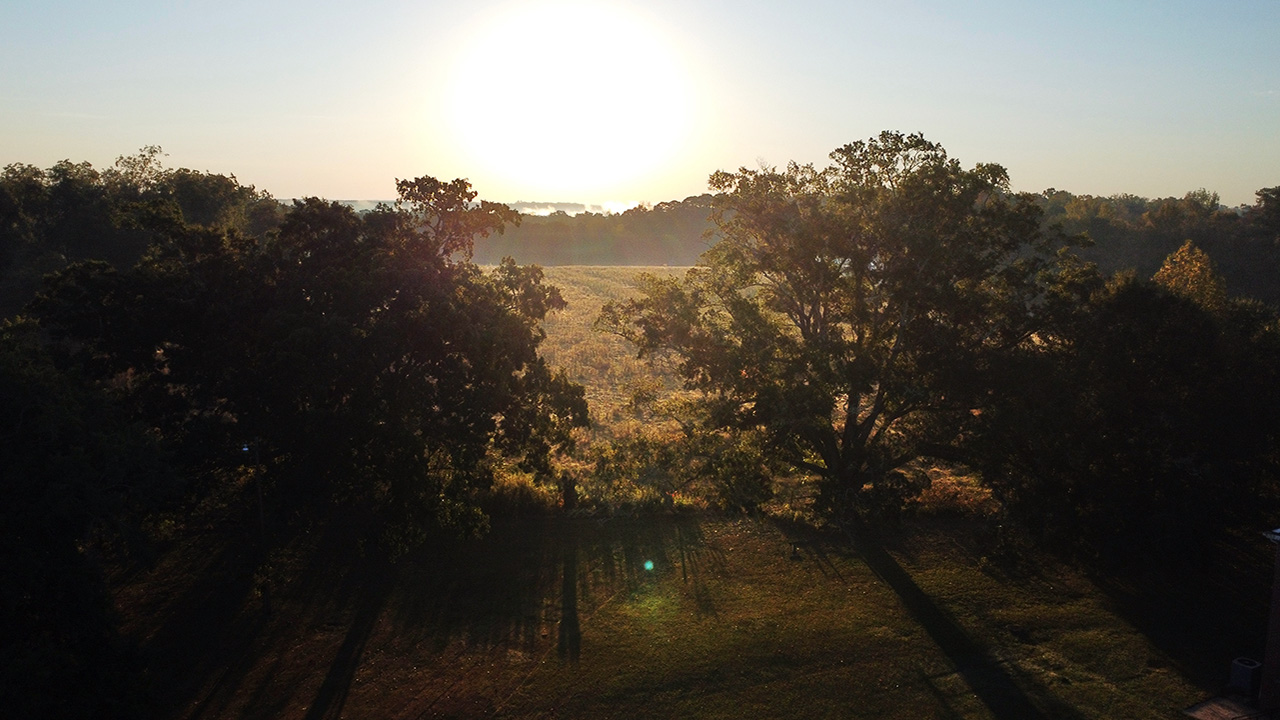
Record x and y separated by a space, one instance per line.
605 364
727 624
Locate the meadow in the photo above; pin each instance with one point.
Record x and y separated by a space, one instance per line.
680 613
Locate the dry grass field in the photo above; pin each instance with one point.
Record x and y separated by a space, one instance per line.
605 364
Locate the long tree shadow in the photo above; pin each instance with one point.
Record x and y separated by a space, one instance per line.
992 681
376 580
570 641
994 685
204 637
216 635
527 588
529 583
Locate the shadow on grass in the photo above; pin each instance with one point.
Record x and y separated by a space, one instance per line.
375 581
205 638
528 578
529 587
333 582
986 677
992 681
1201 612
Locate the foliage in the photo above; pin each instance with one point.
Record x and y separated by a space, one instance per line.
730 470
1134 233
851 315
1190 273
73 212
365 363
74 468
1143 425
1264 217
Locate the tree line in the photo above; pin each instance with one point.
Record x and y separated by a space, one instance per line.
668 233
1125 232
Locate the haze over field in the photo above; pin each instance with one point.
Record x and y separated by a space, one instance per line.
600 103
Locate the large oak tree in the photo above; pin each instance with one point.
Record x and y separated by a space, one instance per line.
857 314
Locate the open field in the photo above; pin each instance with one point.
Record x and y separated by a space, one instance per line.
679 614
606 365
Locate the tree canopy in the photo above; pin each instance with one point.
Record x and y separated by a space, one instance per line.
856 313
72 212
363 356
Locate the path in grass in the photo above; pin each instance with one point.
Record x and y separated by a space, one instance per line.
725 624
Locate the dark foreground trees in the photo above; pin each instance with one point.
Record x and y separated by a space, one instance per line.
364 360
73 468
857 315
1145 423
340 369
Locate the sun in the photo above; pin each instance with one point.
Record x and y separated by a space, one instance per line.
564 100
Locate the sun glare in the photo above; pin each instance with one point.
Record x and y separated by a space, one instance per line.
562 100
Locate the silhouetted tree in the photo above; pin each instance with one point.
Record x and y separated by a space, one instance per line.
370 363
1142 424
72 212
73 470
852 314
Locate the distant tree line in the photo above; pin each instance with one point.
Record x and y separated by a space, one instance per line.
669 233
1124 231
1133 233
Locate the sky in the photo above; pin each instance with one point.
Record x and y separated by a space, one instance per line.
612 103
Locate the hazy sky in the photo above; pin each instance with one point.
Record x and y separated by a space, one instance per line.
597 102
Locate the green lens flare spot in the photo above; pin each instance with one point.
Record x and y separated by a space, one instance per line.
648 565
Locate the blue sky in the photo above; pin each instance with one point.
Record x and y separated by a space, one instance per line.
596 102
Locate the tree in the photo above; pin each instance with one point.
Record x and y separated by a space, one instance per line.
370 362
71 212
1190 273
855 315
1143 426
1265 215
75 470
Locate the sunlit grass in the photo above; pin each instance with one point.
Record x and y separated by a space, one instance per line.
605 364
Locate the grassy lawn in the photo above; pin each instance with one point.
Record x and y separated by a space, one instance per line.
733 626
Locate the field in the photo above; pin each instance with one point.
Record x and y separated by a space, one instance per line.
605 364
685 613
